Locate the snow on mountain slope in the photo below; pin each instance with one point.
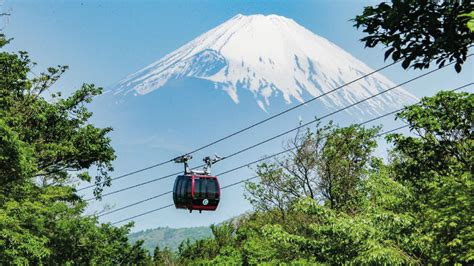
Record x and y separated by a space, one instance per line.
269 55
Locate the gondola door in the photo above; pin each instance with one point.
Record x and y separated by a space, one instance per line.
206 193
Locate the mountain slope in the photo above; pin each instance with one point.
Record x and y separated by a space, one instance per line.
271 56
169 237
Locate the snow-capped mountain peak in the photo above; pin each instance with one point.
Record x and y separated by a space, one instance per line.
268 55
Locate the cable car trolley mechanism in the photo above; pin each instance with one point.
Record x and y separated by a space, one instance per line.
196 189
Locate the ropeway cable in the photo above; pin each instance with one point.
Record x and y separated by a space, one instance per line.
281 134
284 133
228 186
269 156
243 129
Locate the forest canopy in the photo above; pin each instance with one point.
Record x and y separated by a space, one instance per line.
334 202
331 201
42 143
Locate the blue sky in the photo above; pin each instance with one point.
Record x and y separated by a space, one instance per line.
103 41
133 33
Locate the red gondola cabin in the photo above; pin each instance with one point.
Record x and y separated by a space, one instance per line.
196 192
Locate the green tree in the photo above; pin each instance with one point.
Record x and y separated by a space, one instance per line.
417 209
315 233
326 165
346 156
436 165
45 145
163 257
419 32
219 249
470 22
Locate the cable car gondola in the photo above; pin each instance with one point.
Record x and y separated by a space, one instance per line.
196 190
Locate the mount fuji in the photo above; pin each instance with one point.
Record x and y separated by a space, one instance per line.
272 57
219 83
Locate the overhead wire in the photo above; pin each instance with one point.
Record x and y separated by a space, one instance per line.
271 156
243 129
170 205
228 186
284 133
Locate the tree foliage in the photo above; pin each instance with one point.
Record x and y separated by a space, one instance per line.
436 165
330 202
470 22
419 32
326 165
415 209
45 145
163 257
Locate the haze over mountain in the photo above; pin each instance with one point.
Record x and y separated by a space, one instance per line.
272 57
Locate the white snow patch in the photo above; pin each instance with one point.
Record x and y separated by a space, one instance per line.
233 94
262 106
267 55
